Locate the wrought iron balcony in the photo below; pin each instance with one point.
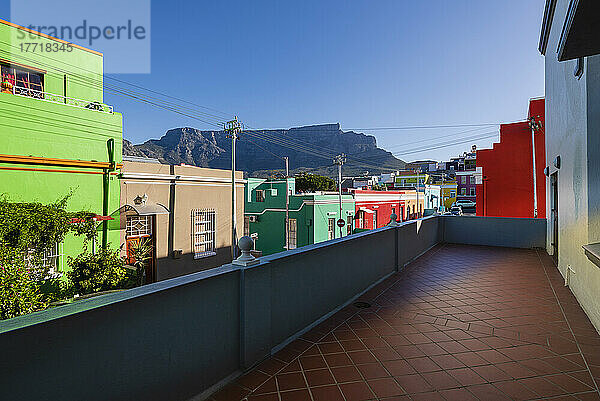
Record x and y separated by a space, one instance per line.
54 98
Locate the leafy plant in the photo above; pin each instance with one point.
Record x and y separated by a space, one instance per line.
102 271
311 182
27 230
19 292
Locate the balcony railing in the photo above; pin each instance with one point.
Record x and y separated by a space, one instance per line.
54 98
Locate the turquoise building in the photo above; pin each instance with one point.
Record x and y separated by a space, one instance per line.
312 216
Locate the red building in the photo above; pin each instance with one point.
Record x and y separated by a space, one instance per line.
506 188
373 208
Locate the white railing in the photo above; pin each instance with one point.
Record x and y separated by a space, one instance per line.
54 98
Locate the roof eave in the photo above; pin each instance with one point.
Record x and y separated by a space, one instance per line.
546 25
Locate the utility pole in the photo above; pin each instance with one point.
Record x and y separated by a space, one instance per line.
417 193
287 202
232 129
340 160
534 127
443 206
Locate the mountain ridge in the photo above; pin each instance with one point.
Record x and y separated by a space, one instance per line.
309 148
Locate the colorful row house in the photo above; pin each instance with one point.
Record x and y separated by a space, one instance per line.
312 217
374 208
57 137
183 212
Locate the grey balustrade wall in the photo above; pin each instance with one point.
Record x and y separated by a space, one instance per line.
184 337
495 231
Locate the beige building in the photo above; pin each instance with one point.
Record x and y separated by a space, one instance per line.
184 212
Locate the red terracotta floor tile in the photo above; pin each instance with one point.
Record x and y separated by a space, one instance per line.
373 371
290 381
327 393
466 376
423 365
386 387
359 391
414 383
319 377
441 380
346 374
458 394
295 395
399 367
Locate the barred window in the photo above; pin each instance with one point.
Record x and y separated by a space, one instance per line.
48 260
203 233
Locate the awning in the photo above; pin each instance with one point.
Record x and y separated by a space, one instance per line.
145 210
580 36
364 209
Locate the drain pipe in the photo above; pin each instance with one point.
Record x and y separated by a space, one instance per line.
534 126
110 144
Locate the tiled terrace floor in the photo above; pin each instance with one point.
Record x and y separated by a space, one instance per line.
461 323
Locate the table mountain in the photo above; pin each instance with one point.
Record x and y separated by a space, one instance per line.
309 148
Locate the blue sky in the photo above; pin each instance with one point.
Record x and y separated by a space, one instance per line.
278 64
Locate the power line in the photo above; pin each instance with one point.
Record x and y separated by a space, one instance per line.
422 127
447 145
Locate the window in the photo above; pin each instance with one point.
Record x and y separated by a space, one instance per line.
22 81
260 195
463 191
49 259
453 194
203 233
330 229
472 191
375 219
349 225
293 234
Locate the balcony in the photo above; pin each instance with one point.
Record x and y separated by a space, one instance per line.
53 98
442 308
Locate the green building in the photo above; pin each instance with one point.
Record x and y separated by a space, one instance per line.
57 137
312 217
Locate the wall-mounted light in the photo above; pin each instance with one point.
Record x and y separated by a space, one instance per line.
557 162
547 171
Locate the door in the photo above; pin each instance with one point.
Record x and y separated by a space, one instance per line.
293 234
140 230
554 215
375 219
330 229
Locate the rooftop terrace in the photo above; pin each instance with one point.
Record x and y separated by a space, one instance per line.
460 323
442 308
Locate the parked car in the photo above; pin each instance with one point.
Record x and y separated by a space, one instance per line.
456 210
464 203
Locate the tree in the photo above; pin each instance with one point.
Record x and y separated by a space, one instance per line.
312 182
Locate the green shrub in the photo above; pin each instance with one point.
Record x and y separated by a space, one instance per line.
19 292
102 271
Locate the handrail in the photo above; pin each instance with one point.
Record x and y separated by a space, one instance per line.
54 98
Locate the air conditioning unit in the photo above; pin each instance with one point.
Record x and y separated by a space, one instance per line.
273 191
252 219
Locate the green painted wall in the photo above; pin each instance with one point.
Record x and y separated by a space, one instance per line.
311 212
36 127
